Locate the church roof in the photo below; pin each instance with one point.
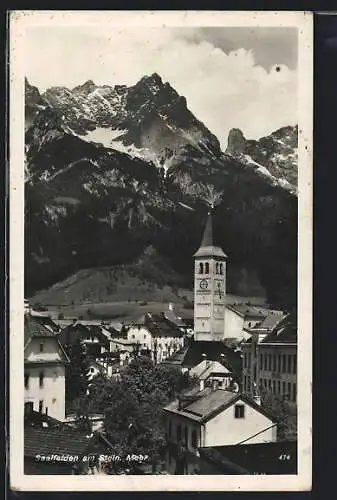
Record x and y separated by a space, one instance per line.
207 247
198 350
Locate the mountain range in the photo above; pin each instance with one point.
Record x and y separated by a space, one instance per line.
113 171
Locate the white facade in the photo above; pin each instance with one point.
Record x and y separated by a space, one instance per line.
160 347
273 368
45 377
209 298
225 428
234 325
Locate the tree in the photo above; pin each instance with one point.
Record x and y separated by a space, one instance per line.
286 414
77 376
133 418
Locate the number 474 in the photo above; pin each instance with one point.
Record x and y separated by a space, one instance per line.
284 456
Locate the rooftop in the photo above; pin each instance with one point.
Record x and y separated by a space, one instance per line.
54 441
200 350
284 332
261 458
203 405
33 328
159 326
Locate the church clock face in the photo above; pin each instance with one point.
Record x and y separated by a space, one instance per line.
203 285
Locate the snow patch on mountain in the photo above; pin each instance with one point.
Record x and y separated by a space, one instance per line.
101 135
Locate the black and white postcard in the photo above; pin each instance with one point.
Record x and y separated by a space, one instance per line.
160 250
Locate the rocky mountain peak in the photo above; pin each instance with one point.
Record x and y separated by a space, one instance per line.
236 142
86 88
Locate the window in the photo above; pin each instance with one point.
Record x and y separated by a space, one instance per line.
249 359
206 268
273 386
289 363
186 435
283 388
194 439
239 411
289 390
278 387
294 392
279 363
261 361
41 346
29 407
179 432
269 384
41 379
46 410
41 406
217 268
26 380
53 401
144 335
221 268
295 364
283 363
248 385
132 336
201 268
265 362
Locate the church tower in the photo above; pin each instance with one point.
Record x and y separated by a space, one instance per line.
209 288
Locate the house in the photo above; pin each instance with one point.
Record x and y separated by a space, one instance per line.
45 364
156 335
95 338
270 359
54 450
241 318
259 459
197 351
212 418
212 372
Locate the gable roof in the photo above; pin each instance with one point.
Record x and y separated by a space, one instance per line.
33 328
198 350
206 368
211 403
261 458
159 326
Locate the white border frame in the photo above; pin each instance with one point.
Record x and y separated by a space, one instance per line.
19 21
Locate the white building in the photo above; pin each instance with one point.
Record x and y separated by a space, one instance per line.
212 373
157 336
212 418
45 362
270 360
209 288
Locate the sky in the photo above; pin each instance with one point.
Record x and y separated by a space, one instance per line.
231 77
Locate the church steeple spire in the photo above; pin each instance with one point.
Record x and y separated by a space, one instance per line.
207 247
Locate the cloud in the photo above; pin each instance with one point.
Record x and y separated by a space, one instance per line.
224 90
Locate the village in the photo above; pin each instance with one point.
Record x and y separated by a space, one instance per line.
215 393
